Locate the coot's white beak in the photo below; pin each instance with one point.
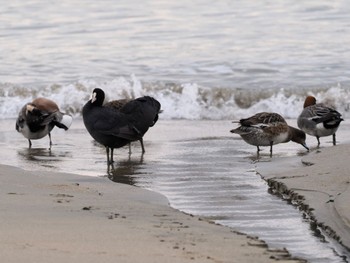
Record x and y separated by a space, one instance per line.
93 97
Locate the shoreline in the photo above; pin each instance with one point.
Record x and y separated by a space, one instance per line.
287 159
319 185
55 217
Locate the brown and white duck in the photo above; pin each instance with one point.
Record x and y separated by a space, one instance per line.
268 129
37 119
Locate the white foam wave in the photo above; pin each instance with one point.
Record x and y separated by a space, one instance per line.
185 101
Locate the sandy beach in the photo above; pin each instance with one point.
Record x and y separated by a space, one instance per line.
57 217
319 184
49 215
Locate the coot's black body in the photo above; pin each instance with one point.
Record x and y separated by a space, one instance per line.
115 129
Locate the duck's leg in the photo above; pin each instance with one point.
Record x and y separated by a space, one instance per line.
50 140
112 149
334 141
107 152
129 148
318 141
271 143
108 170
142 146
30 143
257 151
109 161
109 158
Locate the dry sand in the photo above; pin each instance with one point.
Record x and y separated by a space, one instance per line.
320 184
56 217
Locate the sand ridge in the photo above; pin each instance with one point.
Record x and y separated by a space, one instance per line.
320 183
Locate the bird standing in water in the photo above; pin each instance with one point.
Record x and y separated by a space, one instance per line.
267 129
117 105
37 119
318 120
115 129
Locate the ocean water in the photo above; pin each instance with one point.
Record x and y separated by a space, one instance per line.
202 59
207 63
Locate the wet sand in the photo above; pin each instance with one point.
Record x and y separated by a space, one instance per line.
58 217
54 216
320 184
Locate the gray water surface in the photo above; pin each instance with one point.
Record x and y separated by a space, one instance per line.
233 44
202 170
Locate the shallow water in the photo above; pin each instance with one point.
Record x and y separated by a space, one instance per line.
199 166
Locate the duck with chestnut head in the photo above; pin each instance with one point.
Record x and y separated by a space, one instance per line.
319 120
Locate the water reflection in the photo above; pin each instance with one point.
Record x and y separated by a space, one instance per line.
43 155
123 171
207 178
203 174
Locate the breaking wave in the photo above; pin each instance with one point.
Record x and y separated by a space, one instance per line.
179 101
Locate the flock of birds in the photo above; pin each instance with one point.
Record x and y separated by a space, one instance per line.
117 123
267 129
113 124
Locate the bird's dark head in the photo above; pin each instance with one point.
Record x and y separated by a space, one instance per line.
97 97
298 136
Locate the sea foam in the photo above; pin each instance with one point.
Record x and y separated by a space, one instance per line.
179 101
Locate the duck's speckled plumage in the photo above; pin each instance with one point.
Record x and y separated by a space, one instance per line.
319 120
267 129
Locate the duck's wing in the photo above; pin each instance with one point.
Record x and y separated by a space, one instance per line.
43 112
262 119
319 113
32 115
62 120
244 130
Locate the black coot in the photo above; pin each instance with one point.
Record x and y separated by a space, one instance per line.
115 129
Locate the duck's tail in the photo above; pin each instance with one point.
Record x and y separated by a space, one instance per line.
64 121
